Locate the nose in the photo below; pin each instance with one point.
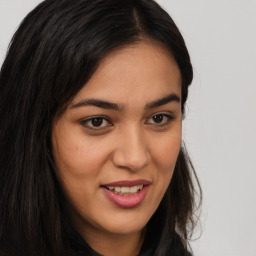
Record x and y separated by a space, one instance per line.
132 151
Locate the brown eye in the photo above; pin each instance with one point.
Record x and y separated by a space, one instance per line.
96 123
160 119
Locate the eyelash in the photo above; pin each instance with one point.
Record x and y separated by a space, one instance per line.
86 122
167 117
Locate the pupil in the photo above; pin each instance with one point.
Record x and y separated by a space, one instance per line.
158 118
96 122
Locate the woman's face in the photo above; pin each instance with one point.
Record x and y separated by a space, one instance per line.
117 143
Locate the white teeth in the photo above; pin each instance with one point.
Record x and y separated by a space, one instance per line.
117 189
125 190
133 189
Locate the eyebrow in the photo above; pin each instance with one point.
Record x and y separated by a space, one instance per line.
113 106
163 101
97 103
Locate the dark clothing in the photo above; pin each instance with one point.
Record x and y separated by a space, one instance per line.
176 248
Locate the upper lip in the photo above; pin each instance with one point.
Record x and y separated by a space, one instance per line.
127 183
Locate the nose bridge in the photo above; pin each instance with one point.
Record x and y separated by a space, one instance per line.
132 150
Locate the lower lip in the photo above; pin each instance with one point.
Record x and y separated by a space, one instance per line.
128 201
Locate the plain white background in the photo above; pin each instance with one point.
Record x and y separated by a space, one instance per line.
220 127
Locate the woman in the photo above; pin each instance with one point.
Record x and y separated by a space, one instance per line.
92 98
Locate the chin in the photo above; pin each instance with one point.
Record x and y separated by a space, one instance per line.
125 224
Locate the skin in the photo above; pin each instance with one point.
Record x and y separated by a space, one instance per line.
133 142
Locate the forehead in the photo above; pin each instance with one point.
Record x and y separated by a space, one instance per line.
144 71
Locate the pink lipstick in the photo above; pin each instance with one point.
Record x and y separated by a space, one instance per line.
126 193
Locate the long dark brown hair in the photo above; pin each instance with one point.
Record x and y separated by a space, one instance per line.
54 52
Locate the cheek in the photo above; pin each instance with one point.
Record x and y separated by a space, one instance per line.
77 154
78 163
164 158
166 149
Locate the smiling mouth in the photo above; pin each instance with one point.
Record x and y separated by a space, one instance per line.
125 191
